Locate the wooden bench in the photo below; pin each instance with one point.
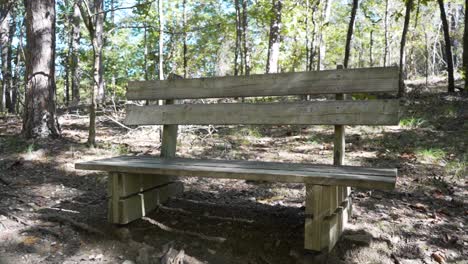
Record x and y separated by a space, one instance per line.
139 184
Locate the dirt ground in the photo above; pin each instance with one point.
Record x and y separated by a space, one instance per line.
52 213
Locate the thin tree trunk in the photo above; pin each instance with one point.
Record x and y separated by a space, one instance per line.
238 52
312 48
371 44
99 35
434 51
465 46
145 36
385 35
349 36
448 47
74 67
185 38
246 46
8 78
409 6
274 40
307 34
4 40
322 45
161 39
67 66
20 58
39 115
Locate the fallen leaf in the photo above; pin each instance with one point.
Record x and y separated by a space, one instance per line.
30 240
419 206
439 257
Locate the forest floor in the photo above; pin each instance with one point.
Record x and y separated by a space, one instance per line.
52 213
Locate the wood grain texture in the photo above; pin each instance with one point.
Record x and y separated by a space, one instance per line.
263 171
372 112
136 206
130 184
299 83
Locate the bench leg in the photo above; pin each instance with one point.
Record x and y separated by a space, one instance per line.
326 215
132 196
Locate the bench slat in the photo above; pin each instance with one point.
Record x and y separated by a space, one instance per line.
363 80
372 112
263 171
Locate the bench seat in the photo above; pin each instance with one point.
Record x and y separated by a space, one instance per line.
376 178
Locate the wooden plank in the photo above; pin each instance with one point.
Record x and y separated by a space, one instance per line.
130 183
169 138
166 167
113 209
386 172
373 112
362 80
139 205
339 150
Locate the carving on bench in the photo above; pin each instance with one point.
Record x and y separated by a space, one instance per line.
138 184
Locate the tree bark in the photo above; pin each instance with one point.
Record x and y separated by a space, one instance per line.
386 34
448 47
465 46
94 21
99 45
161 39
185 60
74 67
312 47
245 42
409 6
349 36
4 41
274 40
39 112
237 52
322 45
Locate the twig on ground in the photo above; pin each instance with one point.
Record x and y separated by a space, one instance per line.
67 220
15 218
63 210
118 123
183 232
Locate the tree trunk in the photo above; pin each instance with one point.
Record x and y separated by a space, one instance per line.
448 47
237 52
99 44
385 35
67 66
307 34
274 40
465 46
409 6
371 44
20 58
161 39
322 45
74 68
185 37
39 113
312 47
4 41
145 39
349 36
245 42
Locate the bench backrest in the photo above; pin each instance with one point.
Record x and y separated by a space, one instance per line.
331 112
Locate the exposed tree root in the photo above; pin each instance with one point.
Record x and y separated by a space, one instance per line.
183 232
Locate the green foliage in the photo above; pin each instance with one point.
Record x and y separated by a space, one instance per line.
412 122
431 154
457 168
